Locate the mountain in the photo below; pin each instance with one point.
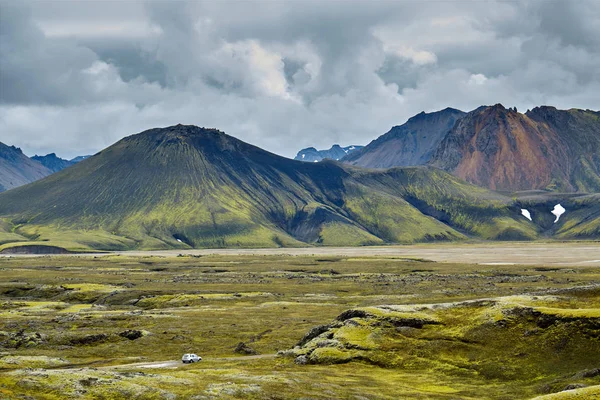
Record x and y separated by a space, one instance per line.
412 143
52 162
17 169
336 152
544 148
497 148
79 159
184 186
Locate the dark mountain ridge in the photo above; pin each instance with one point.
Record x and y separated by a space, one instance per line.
412 143
17 169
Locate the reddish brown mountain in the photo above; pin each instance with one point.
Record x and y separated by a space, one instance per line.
544 148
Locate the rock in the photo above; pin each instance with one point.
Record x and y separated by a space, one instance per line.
588 373
131 334
313 333
417 323
88 381
328 343
286 353
573 386
89 339
353 314
21 339
301 360
243 348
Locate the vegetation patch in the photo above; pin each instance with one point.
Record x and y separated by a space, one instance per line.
115 327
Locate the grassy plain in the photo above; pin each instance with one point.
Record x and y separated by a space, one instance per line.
114 326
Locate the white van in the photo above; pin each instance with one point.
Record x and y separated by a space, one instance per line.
190 358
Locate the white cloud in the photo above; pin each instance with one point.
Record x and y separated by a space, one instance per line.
477 79
419 57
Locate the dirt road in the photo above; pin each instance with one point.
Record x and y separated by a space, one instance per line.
178 363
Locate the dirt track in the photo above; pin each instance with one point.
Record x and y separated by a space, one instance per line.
495 253
178 363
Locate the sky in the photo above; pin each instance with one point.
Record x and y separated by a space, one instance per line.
76 76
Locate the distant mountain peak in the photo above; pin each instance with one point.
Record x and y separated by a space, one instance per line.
17 169
52 162
336 152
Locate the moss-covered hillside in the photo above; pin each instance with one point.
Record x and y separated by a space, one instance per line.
184 186
551 339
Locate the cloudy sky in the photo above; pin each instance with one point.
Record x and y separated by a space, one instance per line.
76 76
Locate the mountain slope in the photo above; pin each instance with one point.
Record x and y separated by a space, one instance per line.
17 169
545 148
412 143
78 159
185 186
336 152
52 162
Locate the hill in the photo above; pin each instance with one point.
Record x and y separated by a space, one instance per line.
544 148
17 169
336 152
185 186
412 143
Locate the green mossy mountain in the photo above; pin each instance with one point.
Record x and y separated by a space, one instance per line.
185 186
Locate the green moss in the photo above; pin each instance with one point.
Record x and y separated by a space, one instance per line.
332 355
360 337
340 234
427 342
587 393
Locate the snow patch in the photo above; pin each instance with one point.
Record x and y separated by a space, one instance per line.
558 211
526 214
179 240
316 161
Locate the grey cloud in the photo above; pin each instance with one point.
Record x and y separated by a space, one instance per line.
282 75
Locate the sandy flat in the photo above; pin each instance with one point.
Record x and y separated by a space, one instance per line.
585 254
492 254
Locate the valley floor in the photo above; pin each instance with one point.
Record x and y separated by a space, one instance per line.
489 253
114 326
